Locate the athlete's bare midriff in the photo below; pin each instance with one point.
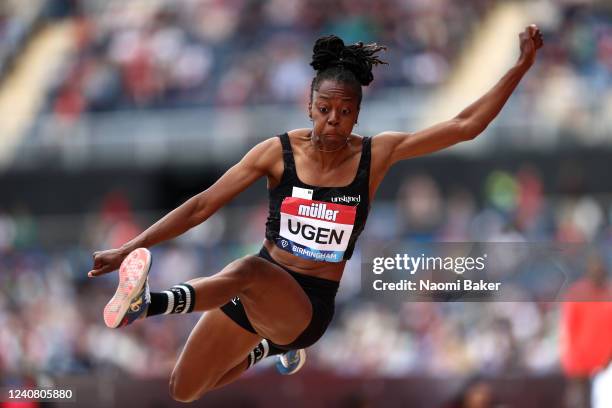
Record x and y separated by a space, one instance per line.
326 270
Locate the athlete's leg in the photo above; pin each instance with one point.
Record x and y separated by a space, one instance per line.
275 304
232 374
262 350
214 355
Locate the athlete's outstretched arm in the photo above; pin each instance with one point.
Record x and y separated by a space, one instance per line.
256 163
395 146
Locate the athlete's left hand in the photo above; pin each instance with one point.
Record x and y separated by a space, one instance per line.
106 261
530 41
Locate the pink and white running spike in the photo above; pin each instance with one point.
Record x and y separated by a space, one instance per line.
133 274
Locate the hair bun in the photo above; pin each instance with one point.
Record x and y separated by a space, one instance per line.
330 51
327 52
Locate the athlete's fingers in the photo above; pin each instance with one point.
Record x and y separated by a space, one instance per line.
97 259
531 34
539 43
99 271
93 273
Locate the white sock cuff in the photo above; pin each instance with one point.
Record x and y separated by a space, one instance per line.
187 297
251 359
170 301
266 348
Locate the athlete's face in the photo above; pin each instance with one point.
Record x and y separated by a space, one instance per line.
334 110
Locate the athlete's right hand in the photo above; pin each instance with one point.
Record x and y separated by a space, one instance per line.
106 261
530 42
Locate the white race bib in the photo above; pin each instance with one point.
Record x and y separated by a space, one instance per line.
315 230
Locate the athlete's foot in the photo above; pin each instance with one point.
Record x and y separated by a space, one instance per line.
291 362
132 297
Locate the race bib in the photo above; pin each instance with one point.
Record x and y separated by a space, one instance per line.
315 230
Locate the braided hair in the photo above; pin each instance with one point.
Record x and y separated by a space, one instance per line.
351 64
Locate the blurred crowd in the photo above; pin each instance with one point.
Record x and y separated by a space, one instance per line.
194 56
51 312
177 62
15 23
19 19
235 52
242 52
570 88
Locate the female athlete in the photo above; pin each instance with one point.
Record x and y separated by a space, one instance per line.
320 183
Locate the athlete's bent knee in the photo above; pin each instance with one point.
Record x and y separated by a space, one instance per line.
245 269
180 392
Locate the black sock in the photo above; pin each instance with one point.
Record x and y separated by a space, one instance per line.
261 351
178 299
274 350
159 304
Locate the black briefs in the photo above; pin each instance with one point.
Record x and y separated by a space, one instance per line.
322 294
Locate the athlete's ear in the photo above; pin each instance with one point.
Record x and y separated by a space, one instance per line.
310 110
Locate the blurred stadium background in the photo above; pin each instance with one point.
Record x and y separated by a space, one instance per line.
114 112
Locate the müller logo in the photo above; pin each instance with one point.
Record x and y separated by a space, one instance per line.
318 211
346 199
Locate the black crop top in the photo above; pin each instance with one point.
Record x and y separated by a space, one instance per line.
318 223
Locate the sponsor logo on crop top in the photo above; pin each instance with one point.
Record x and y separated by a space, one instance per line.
346 199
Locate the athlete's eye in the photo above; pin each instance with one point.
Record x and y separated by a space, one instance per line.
323 109
346 111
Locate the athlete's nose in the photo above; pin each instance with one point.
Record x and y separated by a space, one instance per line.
333 118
